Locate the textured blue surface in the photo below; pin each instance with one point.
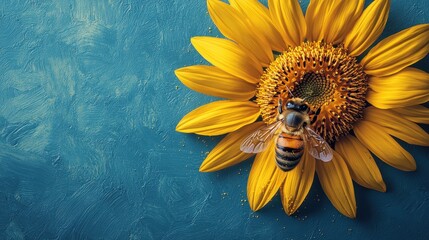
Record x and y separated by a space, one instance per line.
88 107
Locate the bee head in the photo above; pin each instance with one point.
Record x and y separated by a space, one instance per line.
297 104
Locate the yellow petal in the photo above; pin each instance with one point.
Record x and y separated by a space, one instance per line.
384 146
368 27
362 166
212 81
259 17
396 98
287 16
405 88
418 113
232 24
398 51
298 183
227 152
408 79
397 126
265 178
219 117
229 57
341 17
331 20
315 16
337 184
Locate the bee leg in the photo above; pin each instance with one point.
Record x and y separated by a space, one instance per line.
280 107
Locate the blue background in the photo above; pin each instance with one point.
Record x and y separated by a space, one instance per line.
88 108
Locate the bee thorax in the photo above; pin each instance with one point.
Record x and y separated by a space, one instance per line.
294 120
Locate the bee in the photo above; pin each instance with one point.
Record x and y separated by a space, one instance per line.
293 136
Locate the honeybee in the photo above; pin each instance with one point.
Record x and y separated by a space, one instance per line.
295 136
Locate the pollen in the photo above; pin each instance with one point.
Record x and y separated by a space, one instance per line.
332 83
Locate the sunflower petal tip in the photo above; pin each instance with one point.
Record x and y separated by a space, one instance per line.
381 186
289 211
254 204
205 167
179 127
196 39
411 166
253 207
178 71
202 168
351 213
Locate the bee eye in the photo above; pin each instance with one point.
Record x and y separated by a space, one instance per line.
303 107
289 105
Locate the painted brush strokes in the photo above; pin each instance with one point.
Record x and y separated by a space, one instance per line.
88 107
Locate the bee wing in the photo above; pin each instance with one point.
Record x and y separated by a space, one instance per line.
317 146
259 139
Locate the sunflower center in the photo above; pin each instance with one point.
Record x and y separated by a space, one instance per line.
316 87
331 82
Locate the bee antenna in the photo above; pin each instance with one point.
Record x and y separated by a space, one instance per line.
289 91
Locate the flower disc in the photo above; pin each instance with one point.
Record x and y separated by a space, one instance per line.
332 83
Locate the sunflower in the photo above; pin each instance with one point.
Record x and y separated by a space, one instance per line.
357 106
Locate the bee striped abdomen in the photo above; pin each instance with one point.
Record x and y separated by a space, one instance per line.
289 150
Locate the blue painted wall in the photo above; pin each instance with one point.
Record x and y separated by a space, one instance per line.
88 107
